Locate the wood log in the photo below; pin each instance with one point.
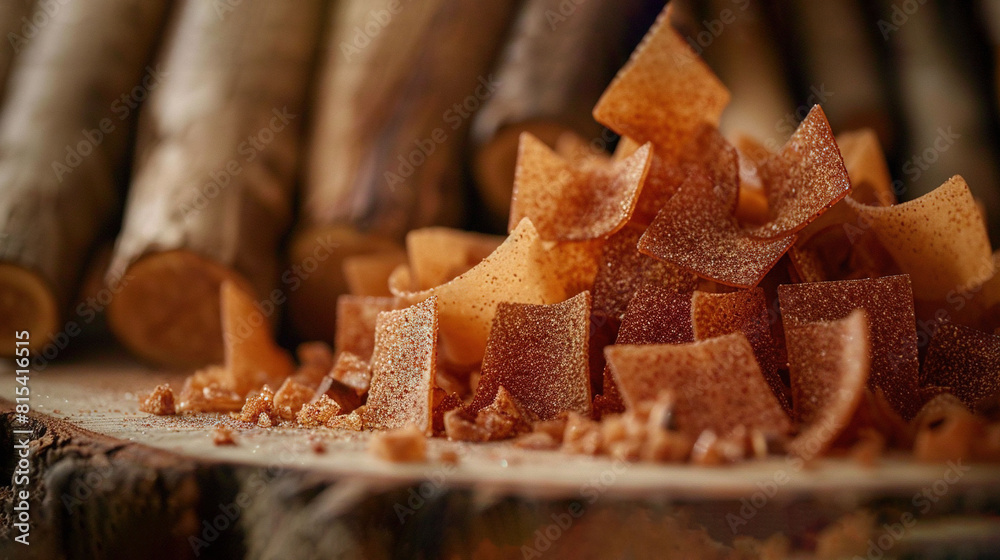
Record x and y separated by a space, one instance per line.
14 22
398 87
747 61
64 130
559 59
215 166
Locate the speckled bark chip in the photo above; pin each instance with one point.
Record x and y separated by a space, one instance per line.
696 231
403 368
892 326
539 354
965 360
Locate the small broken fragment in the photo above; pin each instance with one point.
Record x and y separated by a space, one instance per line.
946 431
256 405
400 445
317 413
222 435
290 397
504 418
160 402
352 371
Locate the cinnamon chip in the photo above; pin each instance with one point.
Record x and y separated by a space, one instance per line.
356 316
368 274
402 445
570 203
347 398
160 402
654 316
663 94
403 367
696 231
624 270
828 364
892 327
539 353
437 254
521 270
965 360
804 179
718 383
353 372
504 418
745 311
939 239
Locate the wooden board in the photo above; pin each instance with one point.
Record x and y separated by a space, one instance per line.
101 466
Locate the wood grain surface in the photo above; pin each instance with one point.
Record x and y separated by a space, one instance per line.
110 481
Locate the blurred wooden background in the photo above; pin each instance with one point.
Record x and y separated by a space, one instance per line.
391 115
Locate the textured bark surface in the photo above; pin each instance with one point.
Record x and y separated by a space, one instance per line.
64 132
215 169
398 87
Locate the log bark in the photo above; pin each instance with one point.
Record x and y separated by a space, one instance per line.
12 27
215 168
64 130
560 58
399 84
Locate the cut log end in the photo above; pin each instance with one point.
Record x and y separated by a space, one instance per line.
315 277
27 303
168 310
496 158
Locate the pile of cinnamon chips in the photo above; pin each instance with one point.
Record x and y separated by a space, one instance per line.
684 299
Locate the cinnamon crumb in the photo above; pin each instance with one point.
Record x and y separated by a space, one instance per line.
318 413
402 445
222 435
160 402
255 405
